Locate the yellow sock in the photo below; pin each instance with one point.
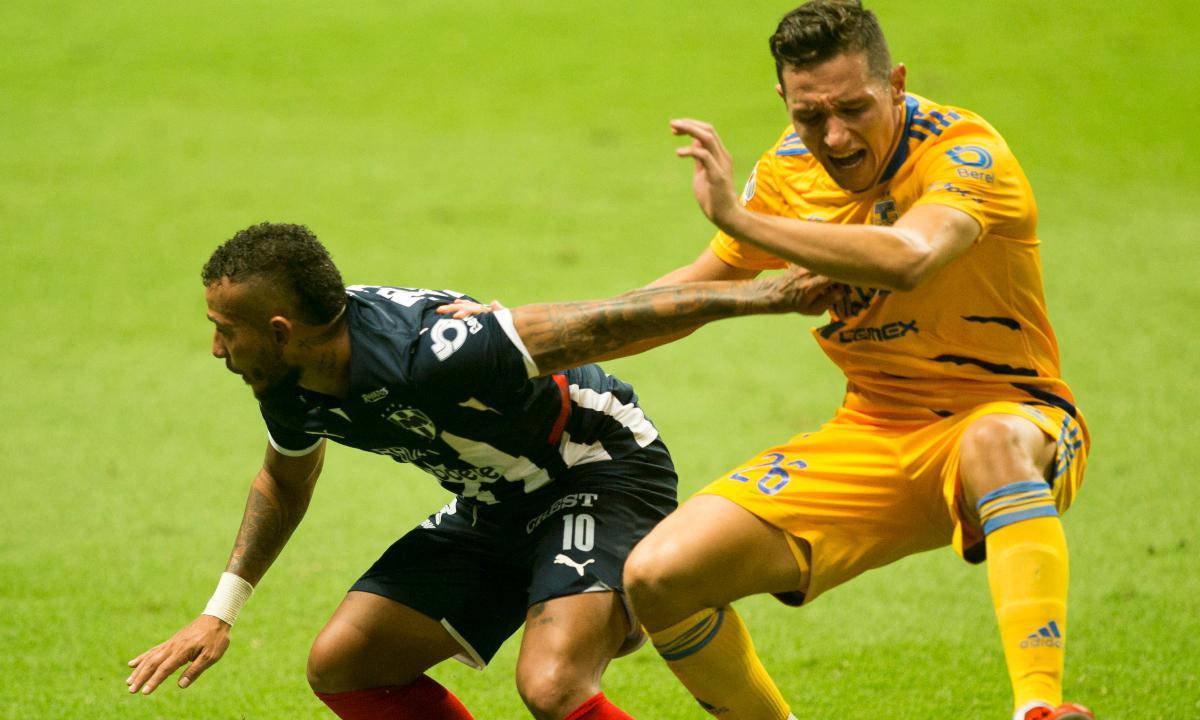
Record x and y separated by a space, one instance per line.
1028 575
712 655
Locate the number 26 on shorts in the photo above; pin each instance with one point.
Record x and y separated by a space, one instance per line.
776 476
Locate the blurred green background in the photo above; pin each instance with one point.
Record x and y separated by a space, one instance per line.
522 152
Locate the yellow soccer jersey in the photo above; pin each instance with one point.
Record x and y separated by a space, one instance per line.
977 331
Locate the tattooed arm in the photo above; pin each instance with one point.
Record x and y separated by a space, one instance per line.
278 500
563 335
279 497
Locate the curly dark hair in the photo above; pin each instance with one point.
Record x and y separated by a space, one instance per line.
818 30
292 259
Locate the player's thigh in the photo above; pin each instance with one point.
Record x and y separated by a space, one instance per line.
579 534
580 530
1058 443
458 571
842 499
586 629
999 449
708 553
373 641
567 643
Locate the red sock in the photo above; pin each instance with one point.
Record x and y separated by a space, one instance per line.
597 707
424 699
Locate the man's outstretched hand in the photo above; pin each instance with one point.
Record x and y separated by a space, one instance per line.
801 291
201 642
462 308
712 179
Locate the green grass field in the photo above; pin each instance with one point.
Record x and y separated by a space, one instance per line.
523 154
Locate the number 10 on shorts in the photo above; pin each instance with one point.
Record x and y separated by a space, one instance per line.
579 532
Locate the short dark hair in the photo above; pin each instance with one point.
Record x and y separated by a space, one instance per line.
818 30
292 259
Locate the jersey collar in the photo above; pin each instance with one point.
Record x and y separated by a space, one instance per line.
900 152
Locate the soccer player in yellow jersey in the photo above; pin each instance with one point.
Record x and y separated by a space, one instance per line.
956 428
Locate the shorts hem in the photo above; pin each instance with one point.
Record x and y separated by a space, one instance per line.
469 656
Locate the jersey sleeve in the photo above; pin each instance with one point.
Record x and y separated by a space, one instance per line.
479 356
760 195
288 440
978 174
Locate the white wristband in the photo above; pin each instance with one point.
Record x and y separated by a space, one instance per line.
232 593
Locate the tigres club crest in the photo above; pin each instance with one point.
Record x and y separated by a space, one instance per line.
413 420
751 185
884 212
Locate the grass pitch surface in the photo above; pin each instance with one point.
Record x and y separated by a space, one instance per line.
523 153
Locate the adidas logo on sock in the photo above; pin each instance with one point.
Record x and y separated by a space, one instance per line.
1047 635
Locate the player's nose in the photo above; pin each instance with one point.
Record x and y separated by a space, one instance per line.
218 347
837 135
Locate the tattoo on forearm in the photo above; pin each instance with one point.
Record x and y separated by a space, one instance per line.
567 334
266 526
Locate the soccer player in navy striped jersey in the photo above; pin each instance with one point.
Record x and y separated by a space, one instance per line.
556 471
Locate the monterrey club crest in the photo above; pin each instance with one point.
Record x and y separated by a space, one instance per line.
413 420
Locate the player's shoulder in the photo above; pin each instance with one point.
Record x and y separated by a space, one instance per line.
395 309
962 135
388 325
927 118
402 297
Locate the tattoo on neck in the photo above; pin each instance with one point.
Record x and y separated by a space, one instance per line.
325 336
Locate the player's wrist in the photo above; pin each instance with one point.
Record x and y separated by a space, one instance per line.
735 220
227 600
767 295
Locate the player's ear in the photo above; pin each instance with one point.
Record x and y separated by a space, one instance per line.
779 91
281 330
899 82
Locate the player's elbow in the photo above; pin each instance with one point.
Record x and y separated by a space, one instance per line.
904 280
911 268
901 278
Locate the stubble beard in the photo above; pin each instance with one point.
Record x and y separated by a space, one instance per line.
286 383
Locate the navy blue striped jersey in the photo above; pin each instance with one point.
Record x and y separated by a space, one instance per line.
460 399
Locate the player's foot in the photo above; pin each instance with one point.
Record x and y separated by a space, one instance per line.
1066 711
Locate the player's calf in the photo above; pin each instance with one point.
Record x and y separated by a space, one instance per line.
1027 574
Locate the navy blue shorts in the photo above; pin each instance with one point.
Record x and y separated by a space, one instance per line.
477 568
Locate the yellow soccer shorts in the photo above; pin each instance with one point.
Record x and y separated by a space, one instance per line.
864 491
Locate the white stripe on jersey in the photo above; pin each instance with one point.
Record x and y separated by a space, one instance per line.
629 415
574 453
504 317
293 453
480 454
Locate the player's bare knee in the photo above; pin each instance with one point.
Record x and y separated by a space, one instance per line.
552 688
1000 449
649 571
326 666
318 678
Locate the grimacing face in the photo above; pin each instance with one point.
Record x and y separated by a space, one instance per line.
846 117
249 348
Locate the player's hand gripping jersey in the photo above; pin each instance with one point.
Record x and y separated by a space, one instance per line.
977 331
459 399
